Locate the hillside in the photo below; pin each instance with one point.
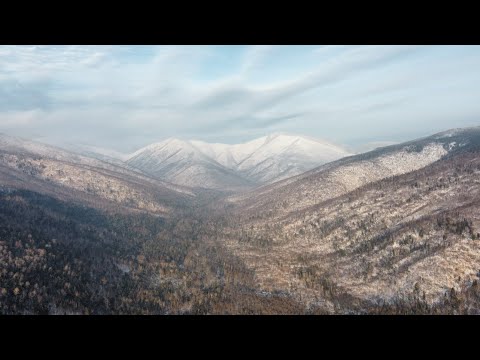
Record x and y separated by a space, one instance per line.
411 237
347 174
395 230
45 169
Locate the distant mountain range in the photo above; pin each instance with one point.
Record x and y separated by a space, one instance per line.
221 166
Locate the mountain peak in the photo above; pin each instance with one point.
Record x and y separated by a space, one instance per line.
263 160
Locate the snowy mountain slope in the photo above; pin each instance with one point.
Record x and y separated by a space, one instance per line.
49 170
263 160
347 174
183 163
282 156
12 144
387 224
229 155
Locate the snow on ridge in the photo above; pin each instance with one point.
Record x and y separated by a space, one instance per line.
262 160
232 155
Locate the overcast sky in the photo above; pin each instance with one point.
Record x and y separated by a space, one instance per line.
126 97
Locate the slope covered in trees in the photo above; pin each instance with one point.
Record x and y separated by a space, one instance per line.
403 239
59 258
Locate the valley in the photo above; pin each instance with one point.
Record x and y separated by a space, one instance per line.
279 225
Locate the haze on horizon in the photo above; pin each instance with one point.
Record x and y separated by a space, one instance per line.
126 97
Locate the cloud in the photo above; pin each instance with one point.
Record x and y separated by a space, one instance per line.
27 96
94 59
248 101
127 96
254 57
224 97
19 120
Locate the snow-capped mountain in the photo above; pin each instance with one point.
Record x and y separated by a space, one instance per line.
337 178
182 163
223 166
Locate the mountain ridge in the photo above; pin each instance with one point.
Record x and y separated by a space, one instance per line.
47 169
396 225
263 160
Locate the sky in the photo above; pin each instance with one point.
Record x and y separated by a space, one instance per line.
126 97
